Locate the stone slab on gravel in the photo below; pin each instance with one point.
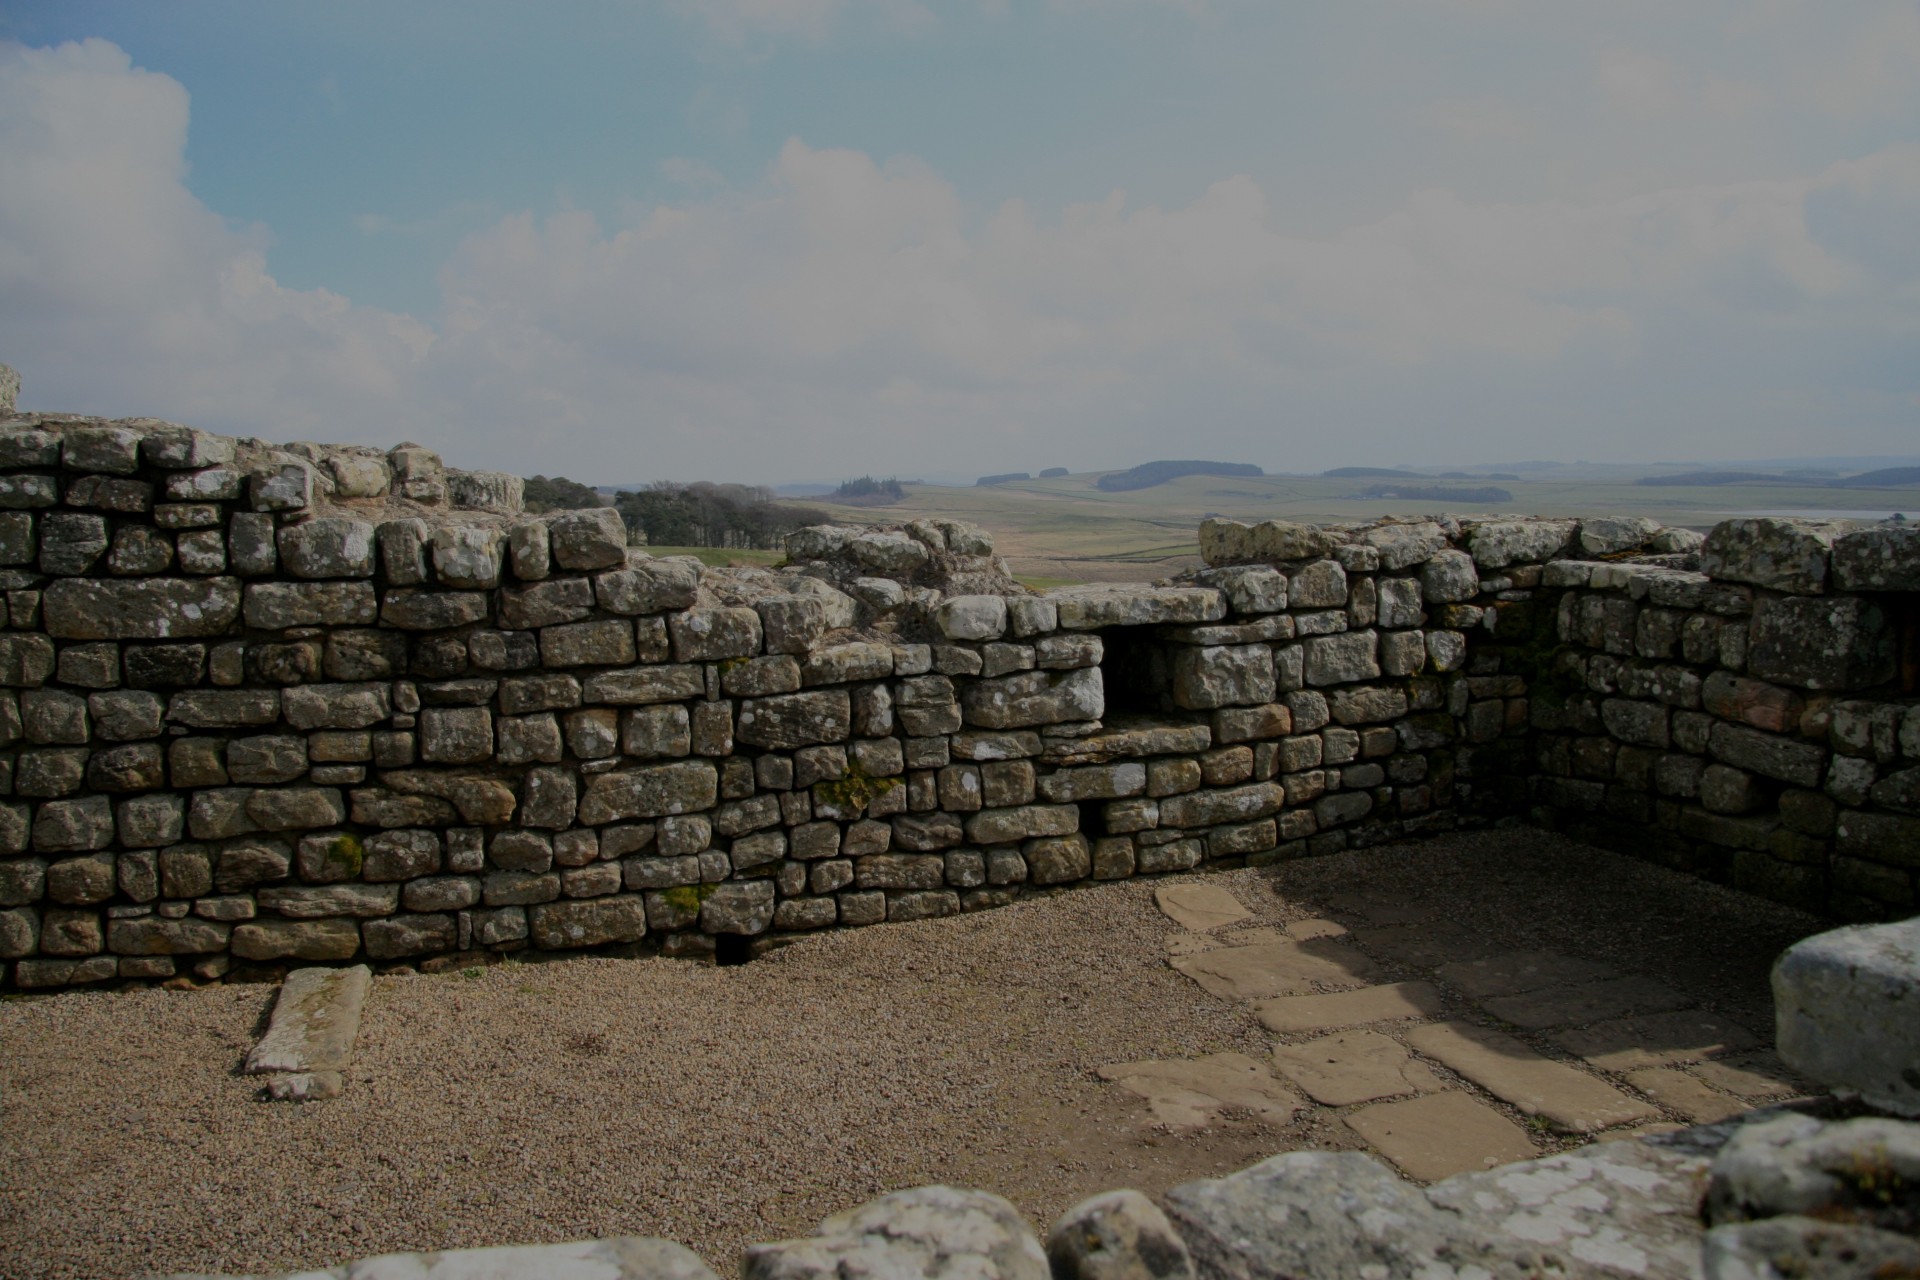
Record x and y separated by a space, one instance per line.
1425 945
1378 908
1190 1093
1655 1040
315 1019
1441 1134
1592 1002
1566 1098
1315 927
1676 1090
1387 1003
1517 971
1277 969
1353 1066
1200 907
1192 944
1756 1078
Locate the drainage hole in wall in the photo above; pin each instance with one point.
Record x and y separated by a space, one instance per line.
732 948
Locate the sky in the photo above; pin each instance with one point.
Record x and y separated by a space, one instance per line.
798 240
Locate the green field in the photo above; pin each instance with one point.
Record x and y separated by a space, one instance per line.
1066 530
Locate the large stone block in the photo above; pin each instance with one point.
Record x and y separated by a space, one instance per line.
1036 698
1340 659
639 685
714 635
328 547
588 539
1786 555
337 706
1222 676
589 922
275 606
456 735
546 604
651 586
139 608
1847 1012
744 907
652 791
414 610
155 936
1820 643
1224 542
1500 543
1233 804
787 721
608 642
1090 608
467 556
1881 558
1770 755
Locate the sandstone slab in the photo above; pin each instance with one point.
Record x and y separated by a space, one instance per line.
1680 1091
1200 907
1277 969
314 1021
1592 1002
1190 1093
1566 1098
1353 1066
1654 1040
1440 1135
1387 1003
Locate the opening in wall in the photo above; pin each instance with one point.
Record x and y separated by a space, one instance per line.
1135 672
732 948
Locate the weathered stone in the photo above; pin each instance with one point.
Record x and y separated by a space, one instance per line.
296 808
652 586
139 609
713 635
1341 659
588 922
1236 804
332 939
650 792
787 721
1787 555
971 617
1845 1005
1090 608
409 935
1225 542
1222 676
1569 1100
1035 698
467 556
1840 643
327 547
744 907
1880 558
936 1231
588 539
845 663
1002 826
1058 859
1770 755
322 902
1500 543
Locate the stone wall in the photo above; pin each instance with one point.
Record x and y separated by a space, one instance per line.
266 705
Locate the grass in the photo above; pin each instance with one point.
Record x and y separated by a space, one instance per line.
720 557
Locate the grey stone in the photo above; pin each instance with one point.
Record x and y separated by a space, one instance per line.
328 547
1786 555
971 617
495 491
1500 543
546 603
333 939
1222 676
1341 659
942 1233
640 685
467 556
608 642
787 721
651 791
403 552
744 907
1847 1011
1035 698
275 606
72 826
359 705
588 539
456 735
1807 1249
283 486
587 922
409 935
296 808
1840 643
315 1019
1090 608
1770 755
1847 1171
139 609
713 635
1879 558
648 587
414 610
1224 542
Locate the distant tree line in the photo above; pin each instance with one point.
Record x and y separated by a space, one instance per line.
1148 474
702 514
866 491
560 494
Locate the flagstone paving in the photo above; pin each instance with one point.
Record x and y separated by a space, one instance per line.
1351 1037
1441 1134
1354 1066
1390 1002
1507 1068
1190 1093
1577 1006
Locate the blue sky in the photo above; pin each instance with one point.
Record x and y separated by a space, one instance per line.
793 239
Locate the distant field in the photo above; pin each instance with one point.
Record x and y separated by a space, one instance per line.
721 557
1066 530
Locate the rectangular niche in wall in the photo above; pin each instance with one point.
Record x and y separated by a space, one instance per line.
1137 672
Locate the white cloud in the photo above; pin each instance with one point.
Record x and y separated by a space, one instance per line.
850 315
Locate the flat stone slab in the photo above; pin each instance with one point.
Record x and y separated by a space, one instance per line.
1676 1090
1192 944
315 1019
1354 1066
1388 1003
1277 969
1440 1135
1200 907
1756 1077
1307 930
1566 1098
1191 1093
1577 1006
1516 971
1656 1040
1424 945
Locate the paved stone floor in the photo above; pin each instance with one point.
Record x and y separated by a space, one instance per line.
1442 1051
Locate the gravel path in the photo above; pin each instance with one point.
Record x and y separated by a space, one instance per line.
716 1107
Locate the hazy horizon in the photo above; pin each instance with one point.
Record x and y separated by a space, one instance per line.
771 240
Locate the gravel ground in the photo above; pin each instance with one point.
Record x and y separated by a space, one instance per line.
716 1107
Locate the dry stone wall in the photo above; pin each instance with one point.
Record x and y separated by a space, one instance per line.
268 705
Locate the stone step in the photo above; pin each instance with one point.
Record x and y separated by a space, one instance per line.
1388 1003
1592 1002
1566 1098
1441 1134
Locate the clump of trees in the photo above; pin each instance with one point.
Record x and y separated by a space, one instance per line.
560 494
866 491
702 514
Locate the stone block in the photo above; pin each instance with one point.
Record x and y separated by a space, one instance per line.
787 721
605 643
1035 698
1847 1012
328 547
588 539
1794 556
1091 608
546 604
1500 543
971 617
651 791
399 936
740 907
1220 676
1840 643
1341 659
1878 558
1227 542
713 635
649 587
467 556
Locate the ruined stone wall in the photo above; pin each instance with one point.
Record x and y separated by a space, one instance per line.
264 705
1755 722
